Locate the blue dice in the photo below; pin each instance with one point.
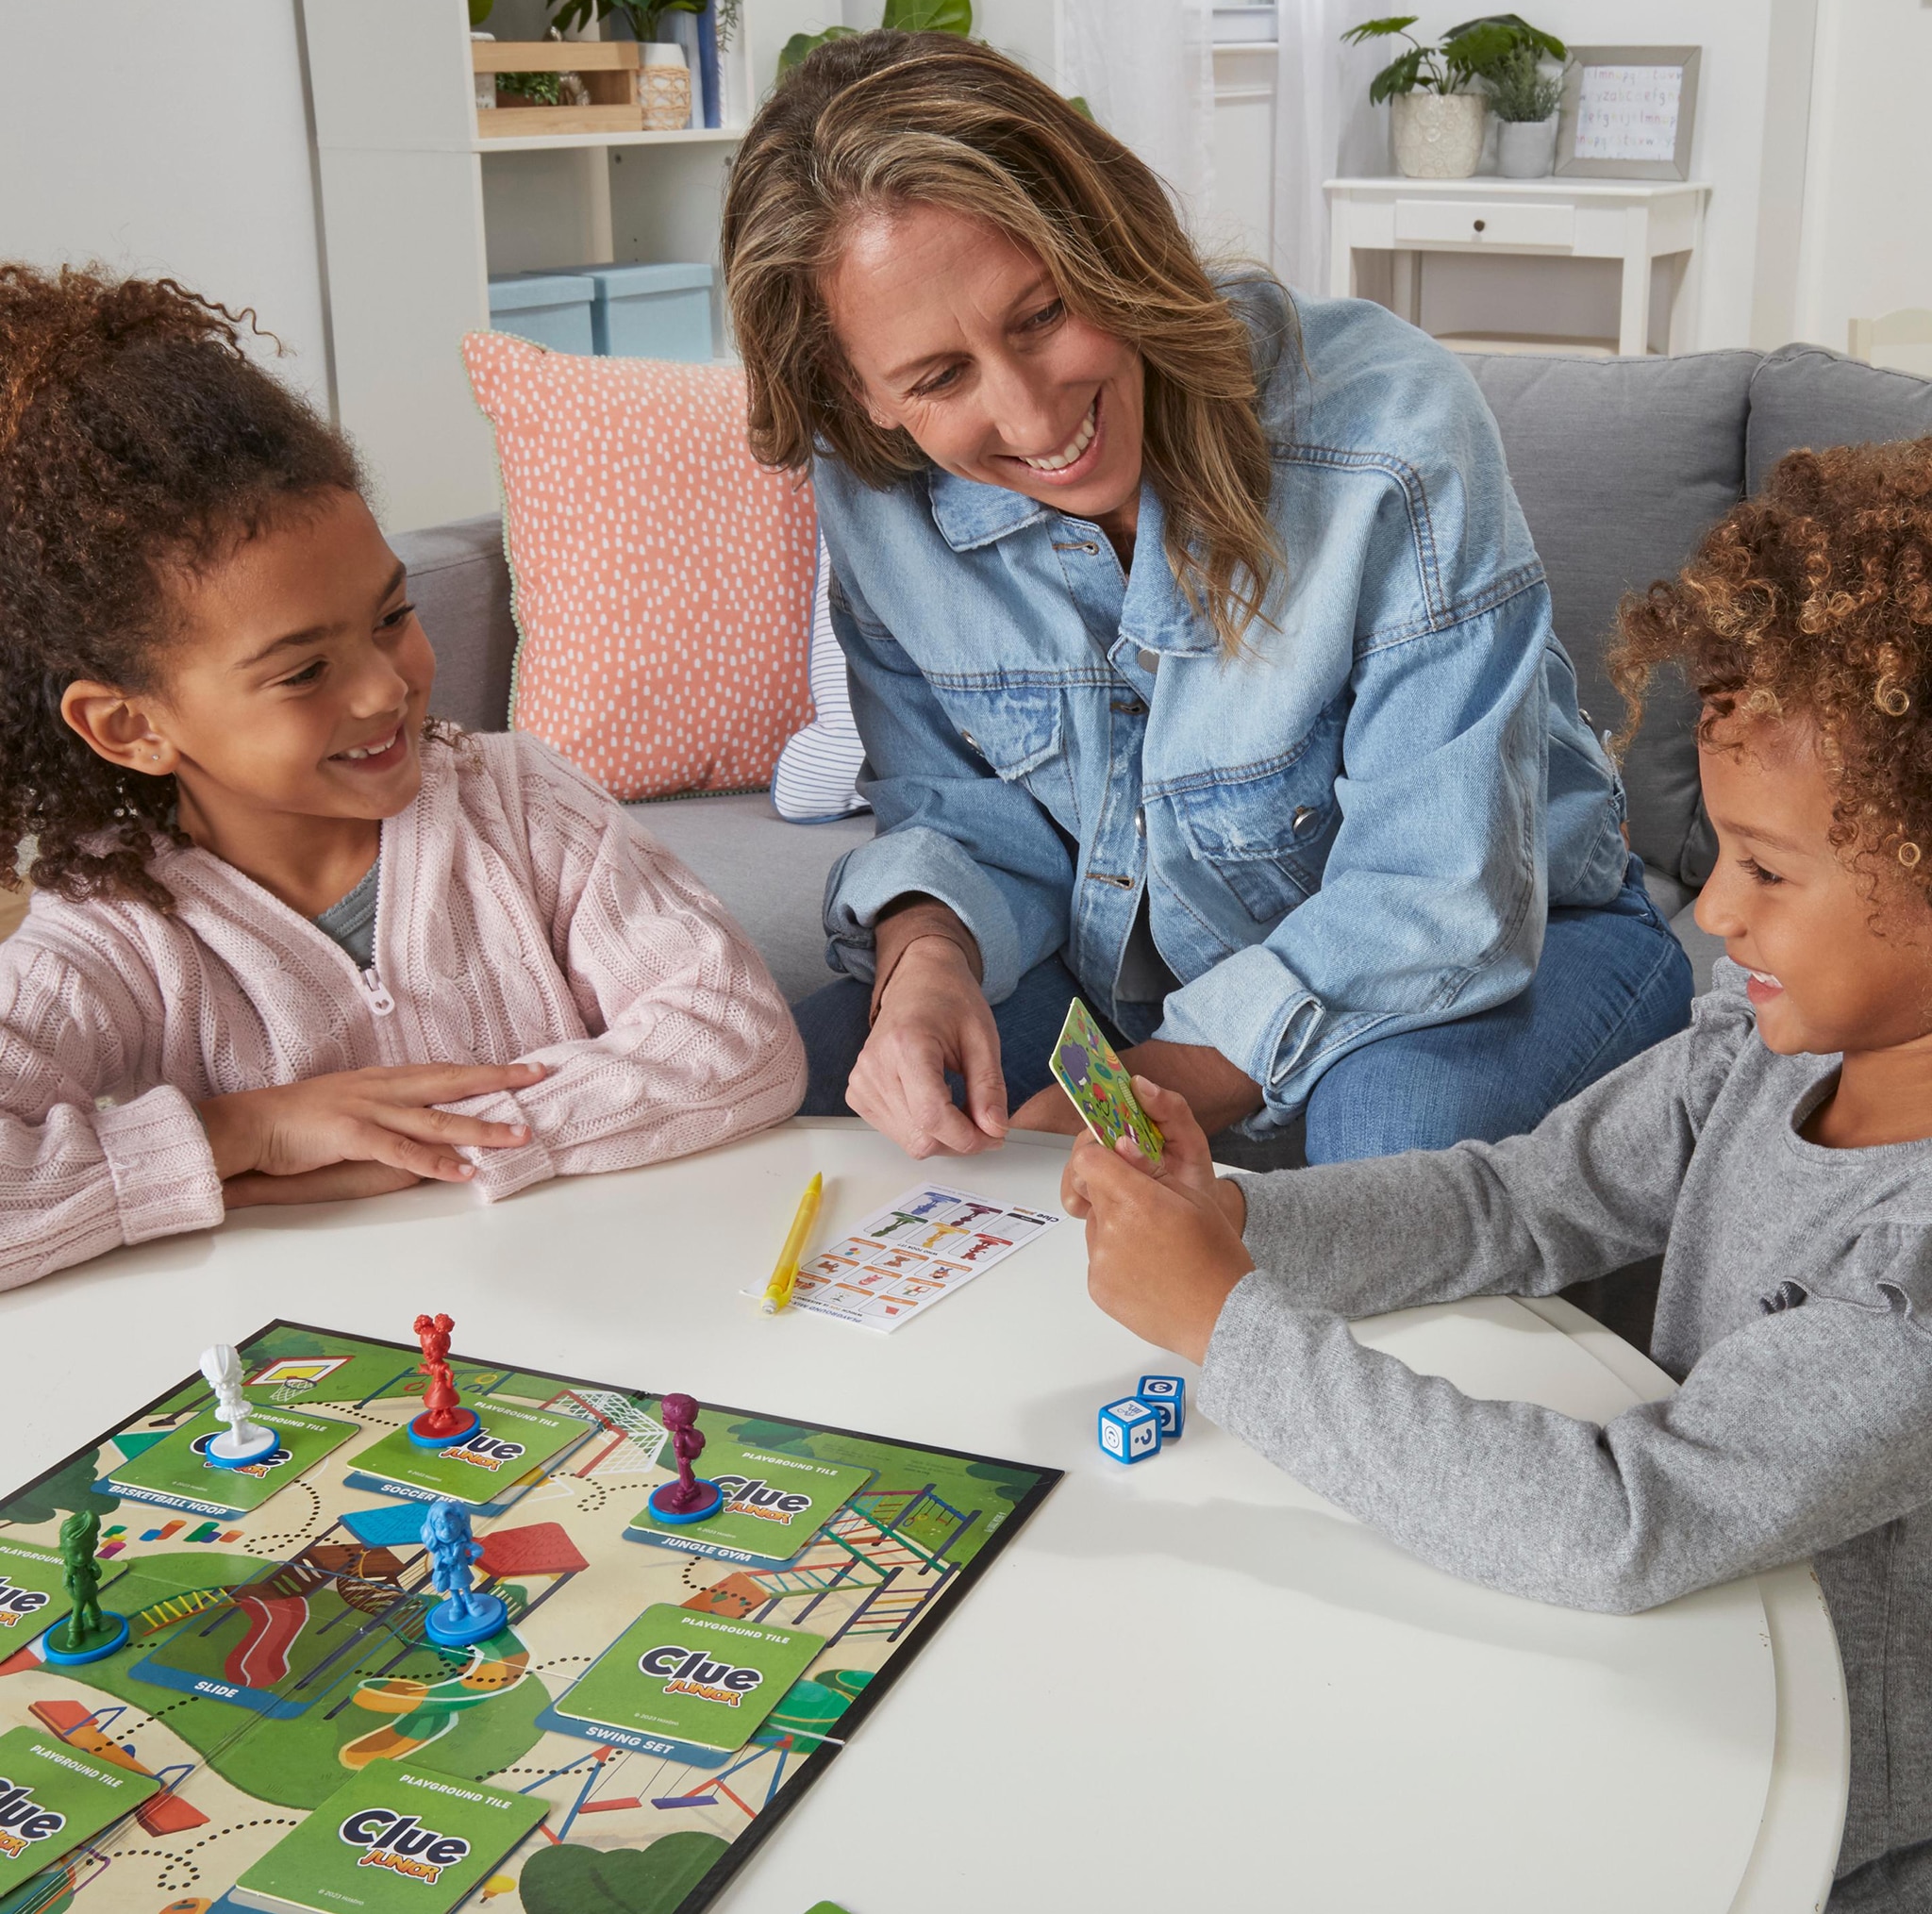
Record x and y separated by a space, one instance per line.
1129 1430
1167 1396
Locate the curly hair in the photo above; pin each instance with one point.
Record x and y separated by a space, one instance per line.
137 439
1811 602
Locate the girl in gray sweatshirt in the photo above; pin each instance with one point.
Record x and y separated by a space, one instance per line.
1779 1154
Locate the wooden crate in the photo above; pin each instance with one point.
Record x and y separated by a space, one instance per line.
608 69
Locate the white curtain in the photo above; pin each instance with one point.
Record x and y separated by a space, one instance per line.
1324 127
1147 69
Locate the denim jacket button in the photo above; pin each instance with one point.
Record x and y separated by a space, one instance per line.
1304 820
1149 661
1139 824
972 742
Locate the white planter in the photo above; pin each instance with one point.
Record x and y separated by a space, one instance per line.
1436 136
1526 149
663 86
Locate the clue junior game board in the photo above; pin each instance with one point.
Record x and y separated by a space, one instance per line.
278 1732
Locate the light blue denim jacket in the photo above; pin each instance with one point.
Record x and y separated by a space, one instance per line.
1352 830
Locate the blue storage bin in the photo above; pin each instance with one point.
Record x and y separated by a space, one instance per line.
552 309
652 311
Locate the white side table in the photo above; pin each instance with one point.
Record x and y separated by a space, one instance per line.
1635 220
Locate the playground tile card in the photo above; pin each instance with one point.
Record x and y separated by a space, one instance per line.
692 1687
52 1798
33 1592
176 1472
919 1249
1087 1067
775 1504
391 1839
512 1446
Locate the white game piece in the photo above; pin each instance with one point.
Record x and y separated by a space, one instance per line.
242 1441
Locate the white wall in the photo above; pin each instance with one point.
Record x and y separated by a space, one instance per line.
167 139
1727 152
1867 242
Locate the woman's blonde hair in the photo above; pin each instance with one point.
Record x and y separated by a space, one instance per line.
883 120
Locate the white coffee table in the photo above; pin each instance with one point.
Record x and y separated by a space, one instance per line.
1187 1684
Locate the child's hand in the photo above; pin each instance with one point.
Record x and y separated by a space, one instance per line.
1185 1163
386 1116
337 1183
1161 1257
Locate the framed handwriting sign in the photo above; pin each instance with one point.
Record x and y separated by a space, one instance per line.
1628 112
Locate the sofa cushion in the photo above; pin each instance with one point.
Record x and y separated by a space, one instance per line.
1620 466
1805 395
768 874
459 581
661 578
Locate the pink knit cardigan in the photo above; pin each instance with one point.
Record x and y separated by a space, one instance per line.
520 913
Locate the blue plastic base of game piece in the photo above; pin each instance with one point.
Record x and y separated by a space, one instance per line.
62 1657
260 1452
487 1617
677 1518
462 1435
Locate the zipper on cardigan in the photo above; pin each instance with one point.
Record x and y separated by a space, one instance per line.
380 1002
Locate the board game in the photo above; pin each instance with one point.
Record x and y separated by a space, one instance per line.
280 1732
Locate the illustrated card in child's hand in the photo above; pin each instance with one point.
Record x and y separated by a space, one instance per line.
1090 1071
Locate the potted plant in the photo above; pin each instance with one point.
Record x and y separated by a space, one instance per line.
1436 114
664 75
1524 98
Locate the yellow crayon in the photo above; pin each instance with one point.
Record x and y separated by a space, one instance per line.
778 1291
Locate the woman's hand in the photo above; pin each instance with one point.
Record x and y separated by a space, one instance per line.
933 1017
1162 1256
384 1116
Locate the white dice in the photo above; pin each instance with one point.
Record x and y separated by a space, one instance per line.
1129 1430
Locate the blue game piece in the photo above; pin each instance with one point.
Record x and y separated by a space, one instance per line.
449 1438
96 1651
1129 1430
466 1616
1167 1396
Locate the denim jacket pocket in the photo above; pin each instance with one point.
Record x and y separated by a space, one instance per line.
1019 731
1266 830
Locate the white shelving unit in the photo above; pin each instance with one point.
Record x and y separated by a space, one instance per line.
418 212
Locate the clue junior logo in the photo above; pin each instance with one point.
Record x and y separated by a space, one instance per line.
484 1452
692 1671
21 1824
401 1843
755 1496
16 1601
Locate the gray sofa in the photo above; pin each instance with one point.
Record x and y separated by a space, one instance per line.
1621 465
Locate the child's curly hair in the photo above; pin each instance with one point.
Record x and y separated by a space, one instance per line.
137 439
1812 602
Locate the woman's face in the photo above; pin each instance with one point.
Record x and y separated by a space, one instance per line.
958 336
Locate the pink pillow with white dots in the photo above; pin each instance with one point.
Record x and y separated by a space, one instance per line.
662 578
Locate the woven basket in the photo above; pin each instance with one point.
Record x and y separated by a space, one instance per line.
664 92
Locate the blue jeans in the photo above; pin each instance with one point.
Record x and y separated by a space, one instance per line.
1611 983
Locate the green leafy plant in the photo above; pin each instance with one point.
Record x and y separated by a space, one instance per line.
1468 53
1521 90
544 88
905 16
641 16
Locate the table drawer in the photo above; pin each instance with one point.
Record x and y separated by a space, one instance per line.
1479 223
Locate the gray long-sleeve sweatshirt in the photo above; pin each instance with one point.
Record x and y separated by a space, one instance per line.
1796 1311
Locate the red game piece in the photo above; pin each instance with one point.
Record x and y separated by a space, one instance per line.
445 1420
690 1498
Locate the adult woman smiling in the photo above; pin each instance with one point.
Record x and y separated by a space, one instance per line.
1200 656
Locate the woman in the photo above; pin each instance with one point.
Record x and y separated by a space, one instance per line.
1201 659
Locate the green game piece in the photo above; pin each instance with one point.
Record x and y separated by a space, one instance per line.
682 1677
773 1504
33 1589
825 1907
176 1475
52 1798
391 1837
511 1443
89 1631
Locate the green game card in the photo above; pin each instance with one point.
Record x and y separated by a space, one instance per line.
33 1591
691 1680
177 1474
53 1798
773 1504
391 1839
511 1445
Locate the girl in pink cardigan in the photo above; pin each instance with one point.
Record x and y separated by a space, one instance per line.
292 938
